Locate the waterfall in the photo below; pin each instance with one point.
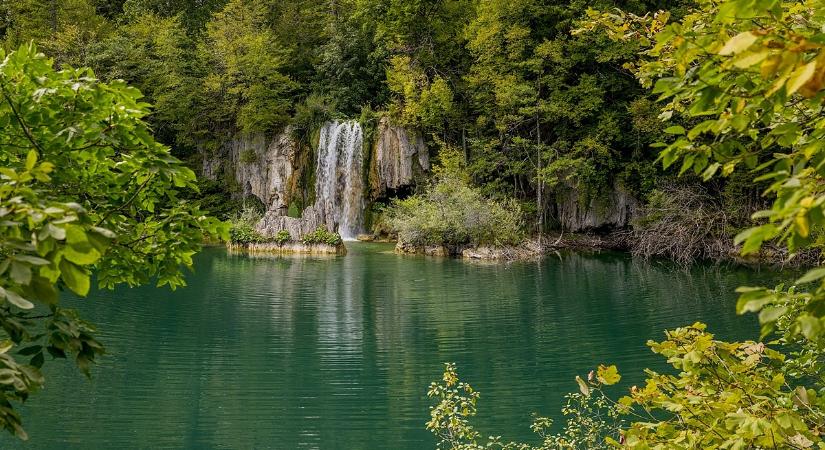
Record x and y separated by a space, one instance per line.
339 185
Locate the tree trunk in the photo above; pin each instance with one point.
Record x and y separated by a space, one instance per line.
539 183
53 16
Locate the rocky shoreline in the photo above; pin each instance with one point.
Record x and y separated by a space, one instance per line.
617 241
530 249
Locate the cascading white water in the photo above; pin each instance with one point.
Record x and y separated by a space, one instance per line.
339 186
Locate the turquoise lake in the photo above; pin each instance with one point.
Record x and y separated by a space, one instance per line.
337 353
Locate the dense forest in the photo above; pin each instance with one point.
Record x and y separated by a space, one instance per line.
536 112
705 111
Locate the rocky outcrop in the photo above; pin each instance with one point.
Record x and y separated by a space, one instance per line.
212 165
275 171
615 210
398 157
403 248
263 168
311 219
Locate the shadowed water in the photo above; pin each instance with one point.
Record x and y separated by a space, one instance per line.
338 353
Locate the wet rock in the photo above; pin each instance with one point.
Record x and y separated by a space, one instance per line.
399 156
616 210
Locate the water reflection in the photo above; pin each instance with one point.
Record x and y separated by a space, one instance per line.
338 352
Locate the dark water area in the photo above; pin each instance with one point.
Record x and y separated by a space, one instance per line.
337 353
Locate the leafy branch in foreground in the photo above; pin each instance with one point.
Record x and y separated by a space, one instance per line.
753 72
744 79
724 395
83 187
591 416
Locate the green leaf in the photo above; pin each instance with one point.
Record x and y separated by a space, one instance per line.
31 160
37 360
75 234
28 351
738 43
772 314
82 253
710 171
754 237
675 129
56 352
812 275
753 301
612 442
15 299
811 327
21 273
33 260
751 59
75 277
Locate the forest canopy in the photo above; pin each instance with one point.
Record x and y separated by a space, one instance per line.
536 110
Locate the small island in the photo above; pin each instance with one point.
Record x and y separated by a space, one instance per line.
244 238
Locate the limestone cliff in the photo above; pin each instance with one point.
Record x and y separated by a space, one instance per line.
616 209
261 166
273 170
264 169
399 155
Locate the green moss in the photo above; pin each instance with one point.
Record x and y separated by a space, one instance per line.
248 157
294 210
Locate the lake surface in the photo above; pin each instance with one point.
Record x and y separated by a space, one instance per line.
338 353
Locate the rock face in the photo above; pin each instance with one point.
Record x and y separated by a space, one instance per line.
261 166
617 210
263 169
270 169
274 221
399 156
339 188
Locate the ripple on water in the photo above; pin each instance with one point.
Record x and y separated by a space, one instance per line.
338 353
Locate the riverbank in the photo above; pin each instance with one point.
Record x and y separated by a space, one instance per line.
531 248
626 241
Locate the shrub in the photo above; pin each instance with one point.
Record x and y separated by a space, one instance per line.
282 237
322 236
720 395
454 214
245 234
243 227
